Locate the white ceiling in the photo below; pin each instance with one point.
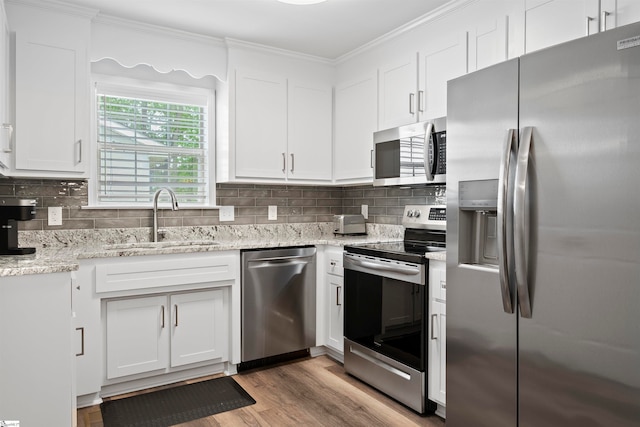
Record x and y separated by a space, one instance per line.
330 29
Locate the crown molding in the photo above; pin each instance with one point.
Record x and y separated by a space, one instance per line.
435 14
156 29
235 43
57 6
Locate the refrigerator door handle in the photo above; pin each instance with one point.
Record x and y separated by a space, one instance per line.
429 147
519 220
505 253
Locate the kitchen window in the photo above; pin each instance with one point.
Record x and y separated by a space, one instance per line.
148 136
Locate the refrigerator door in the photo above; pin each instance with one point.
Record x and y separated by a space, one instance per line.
481 336
579 360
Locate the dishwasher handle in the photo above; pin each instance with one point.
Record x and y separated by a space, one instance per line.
280 258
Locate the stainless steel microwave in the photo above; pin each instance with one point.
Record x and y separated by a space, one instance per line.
411 154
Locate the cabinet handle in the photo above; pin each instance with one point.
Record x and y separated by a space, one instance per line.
411 102
9 128
338 303
79 142
292 164
603 20
162 317
81 341
433 318
284 162
175 307
421 101
589 19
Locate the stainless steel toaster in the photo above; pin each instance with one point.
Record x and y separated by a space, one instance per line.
349 224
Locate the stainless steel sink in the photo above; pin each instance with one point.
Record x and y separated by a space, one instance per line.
160 245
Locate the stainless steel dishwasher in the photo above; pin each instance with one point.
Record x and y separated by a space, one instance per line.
278 301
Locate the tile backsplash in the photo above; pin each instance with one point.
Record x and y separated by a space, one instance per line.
295 204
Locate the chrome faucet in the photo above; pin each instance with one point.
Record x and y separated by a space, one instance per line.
174 207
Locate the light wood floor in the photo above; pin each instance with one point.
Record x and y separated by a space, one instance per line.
308 392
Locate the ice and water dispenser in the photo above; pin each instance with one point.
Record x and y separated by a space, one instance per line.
478 222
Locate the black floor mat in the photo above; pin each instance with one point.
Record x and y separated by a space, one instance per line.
176 405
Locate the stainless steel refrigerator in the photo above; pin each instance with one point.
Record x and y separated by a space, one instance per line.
543 238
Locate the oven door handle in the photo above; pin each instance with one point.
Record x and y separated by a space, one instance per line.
409 271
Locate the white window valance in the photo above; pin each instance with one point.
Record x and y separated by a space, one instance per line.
132 43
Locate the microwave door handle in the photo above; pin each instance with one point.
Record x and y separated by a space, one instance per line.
429 143
505 254
519 219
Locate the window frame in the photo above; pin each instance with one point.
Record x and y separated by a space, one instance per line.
156 90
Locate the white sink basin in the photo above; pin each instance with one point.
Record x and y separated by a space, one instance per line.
160 245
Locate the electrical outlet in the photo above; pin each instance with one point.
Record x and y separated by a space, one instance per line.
273 212
364 209
226 213
54 215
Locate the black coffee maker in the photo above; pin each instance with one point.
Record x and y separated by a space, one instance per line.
12 210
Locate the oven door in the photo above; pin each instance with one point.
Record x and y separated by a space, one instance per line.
385 305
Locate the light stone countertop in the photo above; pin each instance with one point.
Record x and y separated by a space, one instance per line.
61 252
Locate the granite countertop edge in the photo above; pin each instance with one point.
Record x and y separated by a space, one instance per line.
67 258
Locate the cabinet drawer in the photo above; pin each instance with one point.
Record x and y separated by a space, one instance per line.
163 271
334 263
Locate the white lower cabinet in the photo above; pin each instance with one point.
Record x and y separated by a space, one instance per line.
199 327
334 282
36 359
158 332
438 352
437 383
335 337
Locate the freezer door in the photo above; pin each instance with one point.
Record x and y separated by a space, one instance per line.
481 336
579 359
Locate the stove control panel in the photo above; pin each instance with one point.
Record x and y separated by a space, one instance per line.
432 217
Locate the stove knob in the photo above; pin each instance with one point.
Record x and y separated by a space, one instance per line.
416 213
410 214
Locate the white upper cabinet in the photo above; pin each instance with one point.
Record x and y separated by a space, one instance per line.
51 130
355 121
282 128
261 125
488 43
309 131
550 22
615 13
397 93
415 89
444 59
6 127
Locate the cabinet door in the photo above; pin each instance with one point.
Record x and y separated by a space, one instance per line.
88 330
397 102
355 121
437 352
550 22
335 337
260 125
199 327
309 138
488 43
50 105
444 60
615 13
137 335
5 125
36 366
